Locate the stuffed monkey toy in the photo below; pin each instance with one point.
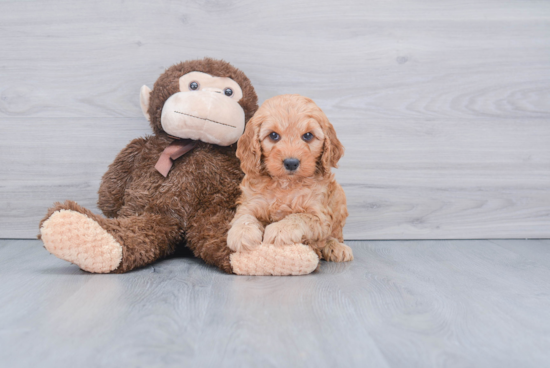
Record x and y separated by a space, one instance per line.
175 188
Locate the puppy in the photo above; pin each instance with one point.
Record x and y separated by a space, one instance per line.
289 194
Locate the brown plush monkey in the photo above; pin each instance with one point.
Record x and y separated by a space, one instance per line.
177 187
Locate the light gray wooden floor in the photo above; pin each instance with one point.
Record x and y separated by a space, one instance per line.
477 303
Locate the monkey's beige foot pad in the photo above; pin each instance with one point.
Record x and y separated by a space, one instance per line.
76 238
271 260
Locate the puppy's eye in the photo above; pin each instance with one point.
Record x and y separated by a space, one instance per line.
193 86
307 137
274 136
228 92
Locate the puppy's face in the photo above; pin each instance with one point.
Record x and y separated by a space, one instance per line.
292 141
289 137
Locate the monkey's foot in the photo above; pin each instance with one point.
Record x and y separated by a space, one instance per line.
74 237
271 260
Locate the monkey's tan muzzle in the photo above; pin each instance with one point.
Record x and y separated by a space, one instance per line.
207 116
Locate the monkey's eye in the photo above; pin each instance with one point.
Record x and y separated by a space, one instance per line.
307 137
193 86
274 136
228 92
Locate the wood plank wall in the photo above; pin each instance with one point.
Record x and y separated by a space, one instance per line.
443 106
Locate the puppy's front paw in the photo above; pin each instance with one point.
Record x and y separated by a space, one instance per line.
337 252
242 237
283 233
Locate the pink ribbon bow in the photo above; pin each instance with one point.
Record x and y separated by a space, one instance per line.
175 150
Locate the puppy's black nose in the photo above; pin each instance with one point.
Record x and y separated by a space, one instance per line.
291 164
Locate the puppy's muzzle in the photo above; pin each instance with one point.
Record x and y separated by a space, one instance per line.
291 164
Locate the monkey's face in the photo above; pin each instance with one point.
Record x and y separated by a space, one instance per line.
206 108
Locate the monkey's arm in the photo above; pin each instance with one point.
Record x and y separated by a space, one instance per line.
118 176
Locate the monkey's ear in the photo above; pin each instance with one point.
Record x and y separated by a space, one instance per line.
144 96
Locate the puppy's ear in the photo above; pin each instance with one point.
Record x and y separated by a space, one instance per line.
249 150
333 150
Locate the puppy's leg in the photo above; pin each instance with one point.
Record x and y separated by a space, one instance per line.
334 251
246 233
297 228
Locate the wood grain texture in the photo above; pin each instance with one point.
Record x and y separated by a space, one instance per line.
407 304
371 59
444 108
461 179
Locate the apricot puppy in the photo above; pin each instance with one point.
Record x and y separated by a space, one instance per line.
289 194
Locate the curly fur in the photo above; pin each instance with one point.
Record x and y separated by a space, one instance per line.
149 215
283 207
